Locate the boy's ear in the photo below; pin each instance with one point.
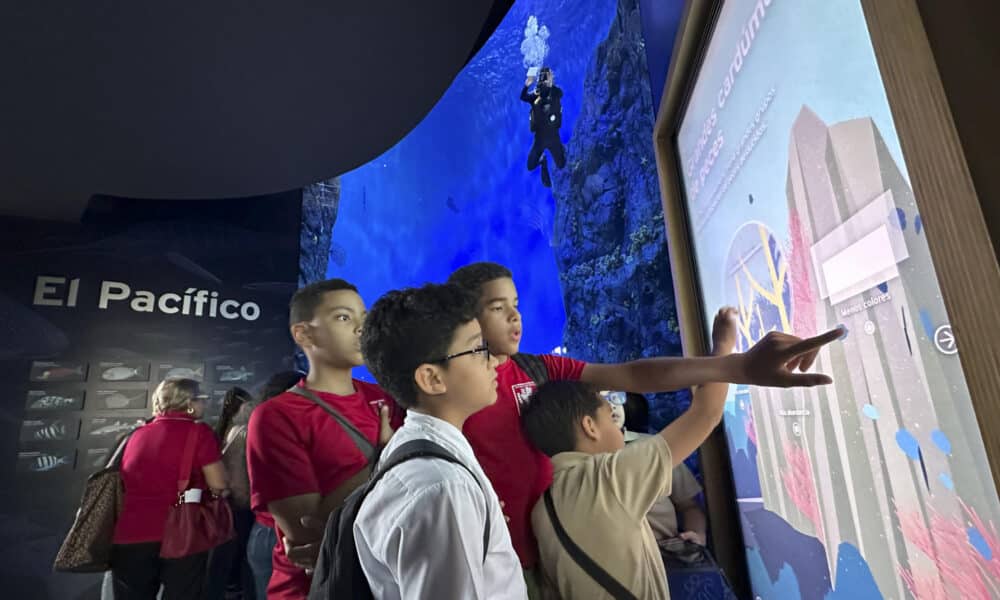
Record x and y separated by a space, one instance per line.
300 333
429 381
588 425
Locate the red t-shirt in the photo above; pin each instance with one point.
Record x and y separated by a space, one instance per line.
150 470
295 447
519 473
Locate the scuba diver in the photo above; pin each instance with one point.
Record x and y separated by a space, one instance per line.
545 118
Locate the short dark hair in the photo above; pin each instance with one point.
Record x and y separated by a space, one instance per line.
305 301
406 328
474 275
278 383
636 412
552 415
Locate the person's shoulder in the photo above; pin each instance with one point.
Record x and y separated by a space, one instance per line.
370 391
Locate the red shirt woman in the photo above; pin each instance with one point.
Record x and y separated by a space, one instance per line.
150 470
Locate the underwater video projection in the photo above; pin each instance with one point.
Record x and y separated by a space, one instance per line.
802 215
539 156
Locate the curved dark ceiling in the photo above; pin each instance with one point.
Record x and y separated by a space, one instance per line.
215 99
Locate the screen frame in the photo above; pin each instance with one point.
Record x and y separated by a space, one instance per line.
957 235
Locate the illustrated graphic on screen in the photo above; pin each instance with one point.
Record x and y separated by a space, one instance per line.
121 371
189 371
43 462
54 400
120 399
49 430
57 371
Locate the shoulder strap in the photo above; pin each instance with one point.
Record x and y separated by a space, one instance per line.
237 432
533 365
428 449
114 462
606 581
187 459
367 449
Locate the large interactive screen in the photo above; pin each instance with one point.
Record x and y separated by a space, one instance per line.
802 216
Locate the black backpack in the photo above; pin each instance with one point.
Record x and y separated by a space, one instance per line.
338 574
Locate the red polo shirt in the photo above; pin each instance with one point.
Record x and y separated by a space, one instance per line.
150 470
295 447
519 473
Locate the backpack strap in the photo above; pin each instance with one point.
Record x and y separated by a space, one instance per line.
533 365
596 572
427 449
368 450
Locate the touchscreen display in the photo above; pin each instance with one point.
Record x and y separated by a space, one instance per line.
802 216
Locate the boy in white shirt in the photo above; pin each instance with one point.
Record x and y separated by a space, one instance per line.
420 531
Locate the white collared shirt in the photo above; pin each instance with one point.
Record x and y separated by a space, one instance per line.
419 533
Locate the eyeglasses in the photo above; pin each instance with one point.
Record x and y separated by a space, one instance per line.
616 398
484 350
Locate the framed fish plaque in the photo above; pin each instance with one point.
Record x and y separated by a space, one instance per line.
106 429
52 400
42 370
54 429
187 371
44 461
234 374
119 399
123 371
93 459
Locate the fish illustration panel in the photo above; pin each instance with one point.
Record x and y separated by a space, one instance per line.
55 429
187 371
120 399
42 461
93 459
51 400
107 429
235 374
123 371
42 370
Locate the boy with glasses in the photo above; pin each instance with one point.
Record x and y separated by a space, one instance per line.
431 528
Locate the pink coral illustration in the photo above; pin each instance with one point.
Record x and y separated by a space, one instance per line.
959 568
803 297
750 428
800 485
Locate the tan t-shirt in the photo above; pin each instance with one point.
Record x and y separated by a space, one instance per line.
602 501
663 515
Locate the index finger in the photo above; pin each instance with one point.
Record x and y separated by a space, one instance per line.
814 343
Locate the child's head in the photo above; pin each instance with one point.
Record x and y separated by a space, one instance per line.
564 416
496 309
326 319
425 347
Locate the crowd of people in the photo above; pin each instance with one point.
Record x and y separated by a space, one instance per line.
545 499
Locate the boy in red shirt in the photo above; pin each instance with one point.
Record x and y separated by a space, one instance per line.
301 460
519 472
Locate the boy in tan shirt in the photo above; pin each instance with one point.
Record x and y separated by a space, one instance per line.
602 490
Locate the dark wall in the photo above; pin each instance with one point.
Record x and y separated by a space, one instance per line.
963 37
76 372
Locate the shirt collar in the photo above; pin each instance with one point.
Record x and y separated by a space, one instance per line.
568 460
439 427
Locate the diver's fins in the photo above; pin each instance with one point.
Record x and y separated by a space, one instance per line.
546 179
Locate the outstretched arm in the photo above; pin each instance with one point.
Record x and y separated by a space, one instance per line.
771 362
692 428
